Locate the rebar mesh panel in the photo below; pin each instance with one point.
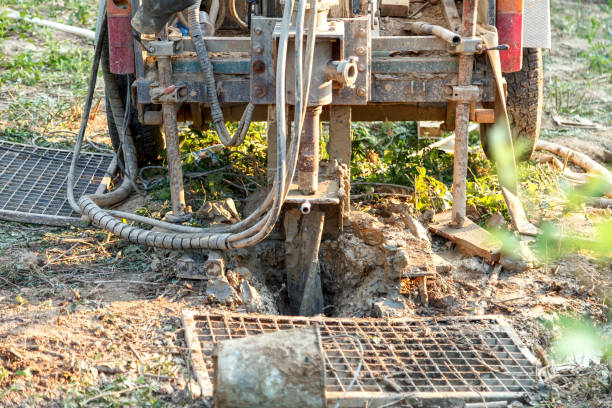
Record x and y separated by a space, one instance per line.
453 355
33 181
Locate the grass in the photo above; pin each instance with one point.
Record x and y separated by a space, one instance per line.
582 41
43 73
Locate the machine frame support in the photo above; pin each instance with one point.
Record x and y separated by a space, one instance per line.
462 118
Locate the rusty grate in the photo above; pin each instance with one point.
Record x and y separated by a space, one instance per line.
33 182
471 358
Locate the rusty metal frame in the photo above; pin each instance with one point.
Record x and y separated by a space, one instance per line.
33 188
469 358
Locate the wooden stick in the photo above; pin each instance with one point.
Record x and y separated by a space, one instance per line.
580 159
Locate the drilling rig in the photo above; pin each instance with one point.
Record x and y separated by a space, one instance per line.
294 64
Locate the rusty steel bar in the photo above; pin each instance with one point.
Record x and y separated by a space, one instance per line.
308 161
462 119
175 169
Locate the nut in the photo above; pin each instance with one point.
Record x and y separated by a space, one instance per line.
258 31
259 66
259 49
360 51
361 67
260 90
361 92
361 32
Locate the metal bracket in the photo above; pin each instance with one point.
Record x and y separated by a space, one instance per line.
468 45
171 94
262 60
455 93
357 36
163 48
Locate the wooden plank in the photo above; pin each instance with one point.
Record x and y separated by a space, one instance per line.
470 239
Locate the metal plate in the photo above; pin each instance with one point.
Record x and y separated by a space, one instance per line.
467 358
33 182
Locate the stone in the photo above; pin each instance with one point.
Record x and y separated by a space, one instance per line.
156 265
389 308
166 388
368 228
427 217
250 297
233 278
441 264
221 290
219 212
416 228
109 369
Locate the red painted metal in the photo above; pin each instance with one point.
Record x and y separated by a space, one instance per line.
510 31
120 41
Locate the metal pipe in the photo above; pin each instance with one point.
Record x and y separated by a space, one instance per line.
81 32
308 160
421 28
462 119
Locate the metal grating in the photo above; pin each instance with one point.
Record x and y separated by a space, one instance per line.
33 182
471 358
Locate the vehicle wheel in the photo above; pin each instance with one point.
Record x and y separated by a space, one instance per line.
147 138
525 98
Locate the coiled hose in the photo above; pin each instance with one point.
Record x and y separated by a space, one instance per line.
221 237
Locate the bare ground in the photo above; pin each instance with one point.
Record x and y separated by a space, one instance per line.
87 321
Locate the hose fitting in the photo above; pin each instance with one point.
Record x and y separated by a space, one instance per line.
343 72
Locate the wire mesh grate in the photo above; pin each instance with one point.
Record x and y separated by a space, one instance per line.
458 355
33 182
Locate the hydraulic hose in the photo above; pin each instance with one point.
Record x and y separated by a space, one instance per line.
121 193
211 86
235 16
214 238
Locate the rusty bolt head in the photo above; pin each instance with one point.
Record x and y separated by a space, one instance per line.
258 31
260 90
361 92
259 67
183 92
360 51
361 32
259 49
361 67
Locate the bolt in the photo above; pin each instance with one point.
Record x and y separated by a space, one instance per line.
258 49
361 92
151 49
361 32
360 51
361 67
258 31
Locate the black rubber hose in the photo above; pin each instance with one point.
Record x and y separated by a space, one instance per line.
211 86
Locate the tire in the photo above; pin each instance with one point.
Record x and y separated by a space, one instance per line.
146 138
524 102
